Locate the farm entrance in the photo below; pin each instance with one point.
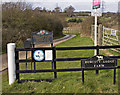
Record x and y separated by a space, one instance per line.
107 36
48 56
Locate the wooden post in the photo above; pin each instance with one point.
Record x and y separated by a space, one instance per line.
114 80
53 54
54 58
83 76
17 65
100 33
103 36
97 71
26 60
92 32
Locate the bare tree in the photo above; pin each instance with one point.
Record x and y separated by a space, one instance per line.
44 9
70 9
21 6
38 9
58 9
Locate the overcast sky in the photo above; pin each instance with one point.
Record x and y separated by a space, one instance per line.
79 5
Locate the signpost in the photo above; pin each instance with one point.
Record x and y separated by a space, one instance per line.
95 34
42 37
99 62
95 6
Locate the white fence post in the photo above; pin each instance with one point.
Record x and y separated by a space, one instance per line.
11 62
95 34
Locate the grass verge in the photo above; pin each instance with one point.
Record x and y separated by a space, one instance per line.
67 82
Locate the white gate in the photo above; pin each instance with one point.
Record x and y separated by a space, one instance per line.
111 37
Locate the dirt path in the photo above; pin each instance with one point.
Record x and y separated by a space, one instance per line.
23 55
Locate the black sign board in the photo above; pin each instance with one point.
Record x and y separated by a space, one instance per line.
42 37
98 61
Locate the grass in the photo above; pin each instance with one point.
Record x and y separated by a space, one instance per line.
114 52
57 37
67 82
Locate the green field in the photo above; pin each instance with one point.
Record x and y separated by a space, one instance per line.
67 82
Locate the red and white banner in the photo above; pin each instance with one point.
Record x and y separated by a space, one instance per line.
96 4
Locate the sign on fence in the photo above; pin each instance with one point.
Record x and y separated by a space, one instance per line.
48 55
113 32
98 61
40 55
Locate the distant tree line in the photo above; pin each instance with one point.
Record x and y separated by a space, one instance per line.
69 10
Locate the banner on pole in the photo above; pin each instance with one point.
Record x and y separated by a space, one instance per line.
96 8
96 4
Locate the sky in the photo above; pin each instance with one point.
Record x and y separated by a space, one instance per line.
79 5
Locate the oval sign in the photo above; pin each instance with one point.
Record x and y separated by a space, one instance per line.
38 55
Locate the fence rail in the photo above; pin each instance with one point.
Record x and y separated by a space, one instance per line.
54 70
70 48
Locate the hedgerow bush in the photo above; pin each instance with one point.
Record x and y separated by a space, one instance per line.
79 20
19 20
72 20
75 20
86 26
